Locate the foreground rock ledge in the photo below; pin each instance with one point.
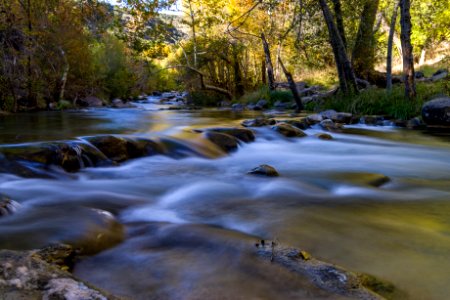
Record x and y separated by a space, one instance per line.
327 276
26 275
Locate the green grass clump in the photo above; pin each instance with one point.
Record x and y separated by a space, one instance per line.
263 93
379 102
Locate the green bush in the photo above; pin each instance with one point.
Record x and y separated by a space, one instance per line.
206 98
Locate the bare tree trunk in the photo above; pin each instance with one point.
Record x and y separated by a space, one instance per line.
269 66
423 54
339 21
347 79
408 58
389 49
292 86
194 33
238 84
363 56
64 77
263 71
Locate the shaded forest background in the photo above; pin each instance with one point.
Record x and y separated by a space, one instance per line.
57 52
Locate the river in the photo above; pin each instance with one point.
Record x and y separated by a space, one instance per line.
189 219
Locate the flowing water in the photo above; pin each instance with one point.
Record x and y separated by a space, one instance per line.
190 221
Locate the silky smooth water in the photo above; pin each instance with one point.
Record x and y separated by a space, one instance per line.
190 221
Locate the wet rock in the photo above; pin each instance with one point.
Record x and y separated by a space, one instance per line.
314 119
372 179
301 124
288 130
415 123
331 126
118 103
324 136
237 107
328 114
8 206
242 134
265 170
89 230
262 104
437 112
225 142
13 167
120 149
326 276
258 122
25 275
342 117
373 120
90 101
179 148
439 75
282 105
70 155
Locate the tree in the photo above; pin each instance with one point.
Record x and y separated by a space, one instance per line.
363 57
347 79
408 56
389 47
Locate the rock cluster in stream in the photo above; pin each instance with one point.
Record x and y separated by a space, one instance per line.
43 275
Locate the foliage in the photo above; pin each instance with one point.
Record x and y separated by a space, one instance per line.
263 93
377 101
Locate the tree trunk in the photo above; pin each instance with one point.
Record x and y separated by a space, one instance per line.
292 86
408 58
194 33
238 84
269 65
64 77
389 49
363 57
339 21
263 71
347 79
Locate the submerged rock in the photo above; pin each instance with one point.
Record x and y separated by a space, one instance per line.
8 206
288 130
265 170
26 275
225 142
324 136
301 123
258 122
437 112
331 126
242 134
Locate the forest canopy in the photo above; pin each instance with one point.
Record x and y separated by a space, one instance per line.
55 52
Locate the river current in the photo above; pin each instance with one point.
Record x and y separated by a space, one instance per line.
188 220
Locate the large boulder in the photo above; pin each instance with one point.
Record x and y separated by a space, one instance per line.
437 112
225 142
90 101
243 134
288 130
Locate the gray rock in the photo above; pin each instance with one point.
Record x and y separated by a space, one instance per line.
342 117
288 130
439 75
265 170
26 275
314 119
263 103
328 114
118 103
419 75
331 126
237 107
324 136
437 112
90 101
